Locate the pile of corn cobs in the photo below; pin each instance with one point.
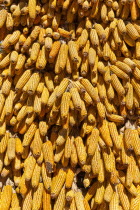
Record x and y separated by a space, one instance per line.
70 104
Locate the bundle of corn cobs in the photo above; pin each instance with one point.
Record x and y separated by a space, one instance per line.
69 104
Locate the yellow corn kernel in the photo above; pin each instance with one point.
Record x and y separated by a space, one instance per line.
37 104
74 157
73 205
44 96
90 89
64 33
42 59
3 128
73 51
22 113
85 50
128 139
15 203
114 203
101 88
108 192
11 148
6 86
22 39
92 56
119 72
2 117
27 201
35 51
115 136
55 49
95 162
103 11
38 197
68 147
137 50
60 201
62 87
5 61
46 200
36 176
14 37
135 200
48 156
109 160
41 38
23 80
79 200
33 83
43 128
83 38
99 196
40 86
70 177
135 139
3 16
19 147
29 167
121 27
58 183
20 63
93 141
2 99
63 53
91 115
115 118
136 86
136 73
129 97
82 155
49 32
94 38
1 162
101 110
100 31
5 44
46 177
9 103
14 57
65 105
49 81
48 43
104 130
4 142
26 44
94 73
6 197
29 134
106 51
130 173
117 85
123 196
59 153
134 10
37 144
76 98
132 32
32 9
